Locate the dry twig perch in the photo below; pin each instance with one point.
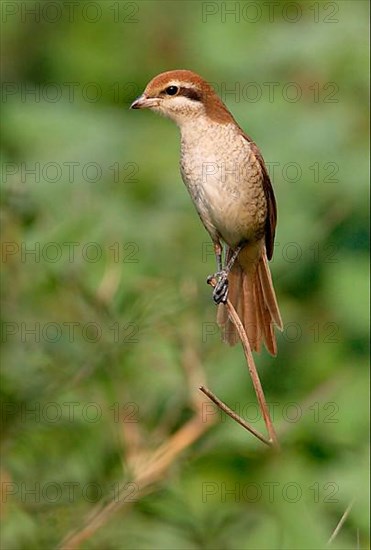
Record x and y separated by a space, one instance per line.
272 441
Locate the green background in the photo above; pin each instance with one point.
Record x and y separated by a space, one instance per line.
123 322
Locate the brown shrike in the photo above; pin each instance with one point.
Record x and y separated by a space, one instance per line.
228 181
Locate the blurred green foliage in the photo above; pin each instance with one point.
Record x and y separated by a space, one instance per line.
116 320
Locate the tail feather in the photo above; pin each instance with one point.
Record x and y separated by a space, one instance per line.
252 294
250 319
260 318
268 291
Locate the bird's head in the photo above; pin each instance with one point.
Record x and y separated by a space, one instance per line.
182 95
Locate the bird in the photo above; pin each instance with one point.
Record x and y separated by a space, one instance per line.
228 181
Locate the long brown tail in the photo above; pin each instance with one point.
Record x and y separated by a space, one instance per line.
252 294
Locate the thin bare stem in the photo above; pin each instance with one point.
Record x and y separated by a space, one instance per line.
254 375
234 415
341 522
252 370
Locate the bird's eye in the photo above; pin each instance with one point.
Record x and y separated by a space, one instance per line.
172 90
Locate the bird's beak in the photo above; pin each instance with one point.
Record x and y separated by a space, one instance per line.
144 102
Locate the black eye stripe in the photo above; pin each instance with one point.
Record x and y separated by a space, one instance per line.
191 93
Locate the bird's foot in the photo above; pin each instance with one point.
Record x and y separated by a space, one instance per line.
220 292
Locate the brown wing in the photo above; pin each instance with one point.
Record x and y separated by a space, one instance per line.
270 223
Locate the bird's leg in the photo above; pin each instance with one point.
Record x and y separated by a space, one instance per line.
218 249
220 293
232 259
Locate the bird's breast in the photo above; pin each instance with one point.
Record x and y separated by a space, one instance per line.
224 180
